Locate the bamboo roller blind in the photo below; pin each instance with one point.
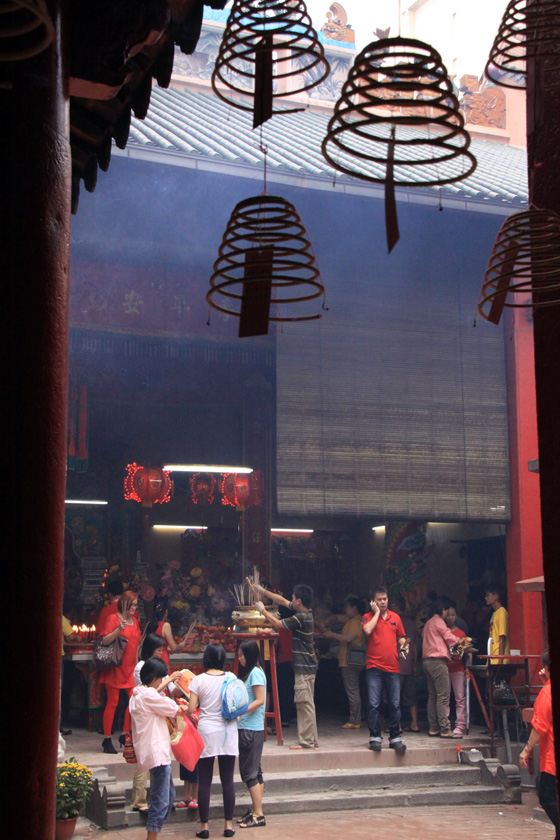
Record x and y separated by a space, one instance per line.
393 405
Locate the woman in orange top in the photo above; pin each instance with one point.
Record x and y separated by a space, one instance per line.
161 627
542 734
121 623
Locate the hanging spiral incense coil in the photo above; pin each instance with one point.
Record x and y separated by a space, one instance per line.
525 32
266 43
525 262
265 257
400 83
398 122
26 29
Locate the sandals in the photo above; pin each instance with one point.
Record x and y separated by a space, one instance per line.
247 814
182 804
253 822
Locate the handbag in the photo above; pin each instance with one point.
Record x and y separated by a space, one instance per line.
186 742
356 656
129 753
108 656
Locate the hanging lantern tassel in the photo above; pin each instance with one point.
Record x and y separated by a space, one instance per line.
391 220
263 82
257 289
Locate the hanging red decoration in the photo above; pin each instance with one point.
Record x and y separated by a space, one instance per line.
242 490
202 488
147 485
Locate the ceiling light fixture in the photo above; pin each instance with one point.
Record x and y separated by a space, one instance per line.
206 468
84 502
291 531
180 527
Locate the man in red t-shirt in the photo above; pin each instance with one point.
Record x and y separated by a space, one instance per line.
386 638
542 734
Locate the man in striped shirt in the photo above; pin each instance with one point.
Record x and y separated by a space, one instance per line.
303 656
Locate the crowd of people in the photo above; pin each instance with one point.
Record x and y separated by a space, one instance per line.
379 649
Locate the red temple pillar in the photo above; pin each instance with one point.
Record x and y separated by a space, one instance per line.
523 535
35 259
543 144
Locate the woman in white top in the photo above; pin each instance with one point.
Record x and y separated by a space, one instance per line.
219 736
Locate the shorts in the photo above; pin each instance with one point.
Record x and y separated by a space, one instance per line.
188 775
408 690
251 744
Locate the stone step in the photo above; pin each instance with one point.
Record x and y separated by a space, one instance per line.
284 760
325 801
347 780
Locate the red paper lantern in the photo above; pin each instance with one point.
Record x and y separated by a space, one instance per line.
242 490
147 485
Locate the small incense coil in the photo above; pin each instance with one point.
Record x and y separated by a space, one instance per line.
525 32
525 262
399 82
266 43
265 241
26 29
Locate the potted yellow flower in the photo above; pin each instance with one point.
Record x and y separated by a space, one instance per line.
73 785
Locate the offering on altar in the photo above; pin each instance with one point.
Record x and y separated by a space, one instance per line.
245 616
86 634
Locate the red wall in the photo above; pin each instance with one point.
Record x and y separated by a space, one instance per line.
523 536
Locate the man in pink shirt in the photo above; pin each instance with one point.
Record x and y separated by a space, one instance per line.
437 638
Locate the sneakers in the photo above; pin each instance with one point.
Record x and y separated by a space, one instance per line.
399 747
375 746
193 805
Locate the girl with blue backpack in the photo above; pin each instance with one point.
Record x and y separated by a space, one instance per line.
251 731
219 735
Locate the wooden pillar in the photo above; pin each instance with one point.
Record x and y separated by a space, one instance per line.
543 147
35 231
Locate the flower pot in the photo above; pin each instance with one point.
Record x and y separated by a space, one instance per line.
64 829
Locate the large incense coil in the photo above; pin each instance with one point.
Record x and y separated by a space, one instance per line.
400 84
26 29
524 264
266 235
526 31
281 29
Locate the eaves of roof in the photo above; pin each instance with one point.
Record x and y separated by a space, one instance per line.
193 128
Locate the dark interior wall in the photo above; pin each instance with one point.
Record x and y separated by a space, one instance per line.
398 400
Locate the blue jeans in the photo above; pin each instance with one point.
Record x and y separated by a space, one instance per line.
162 796
376 679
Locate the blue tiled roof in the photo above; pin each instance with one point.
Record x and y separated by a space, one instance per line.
200 126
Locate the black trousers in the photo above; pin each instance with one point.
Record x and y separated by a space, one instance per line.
546 786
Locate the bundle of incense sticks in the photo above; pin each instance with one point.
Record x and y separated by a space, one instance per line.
189 631
238 590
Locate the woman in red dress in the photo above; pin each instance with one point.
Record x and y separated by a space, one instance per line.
123 623
161 627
